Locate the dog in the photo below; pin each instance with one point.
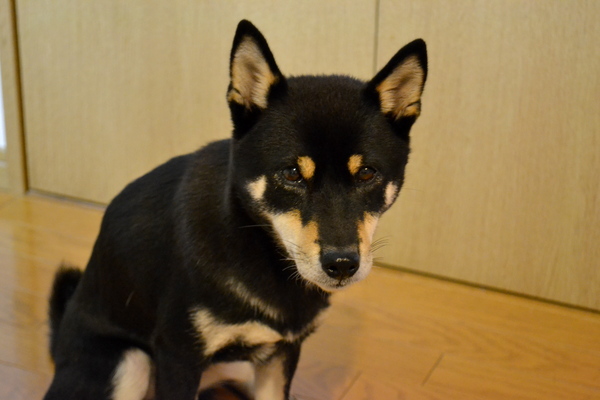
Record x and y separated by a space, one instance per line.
231 253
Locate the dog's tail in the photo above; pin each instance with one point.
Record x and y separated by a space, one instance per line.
65 282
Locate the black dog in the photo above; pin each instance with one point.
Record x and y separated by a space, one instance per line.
230 253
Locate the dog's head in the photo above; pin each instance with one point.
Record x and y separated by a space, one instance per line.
318 159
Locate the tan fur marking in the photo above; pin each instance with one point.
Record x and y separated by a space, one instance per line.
217 335
257 188
300 241
311 235
366 230
251 77
400 92
294 234
391 192
354 163
307 167
242 292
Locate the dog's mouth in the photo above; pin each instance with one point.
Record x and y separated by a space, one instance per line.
341 284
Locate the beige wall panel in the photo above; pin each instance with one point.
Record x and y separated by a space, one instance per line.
113 88
12 168
503 186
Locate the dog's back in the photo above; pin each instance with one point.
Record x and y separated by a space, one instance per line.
135 253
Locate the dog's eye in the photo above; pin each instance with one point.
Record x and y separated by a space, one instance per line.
292 174
365 174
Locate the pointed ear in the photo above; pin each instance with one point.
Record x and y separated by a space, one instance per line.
399 85
253 70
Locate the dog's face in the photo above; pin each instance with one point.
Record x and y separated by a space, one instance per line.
319 159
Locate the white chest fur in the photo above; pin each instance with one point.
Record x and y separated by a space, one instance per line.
217 335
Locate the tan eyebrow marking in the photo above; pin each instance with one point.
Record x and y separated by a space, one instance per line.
354 163
307 167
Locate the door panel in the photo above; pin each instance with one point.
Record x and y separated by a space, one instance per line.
503 186
112 88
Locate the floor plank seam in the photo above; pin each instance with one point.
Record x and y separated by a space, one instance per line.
437 363
8 364
352 382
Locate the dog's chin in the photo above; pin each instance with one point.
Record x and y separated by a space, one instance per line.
314 277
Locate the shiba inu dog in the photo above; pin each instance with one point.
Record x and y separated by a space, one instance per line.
231 253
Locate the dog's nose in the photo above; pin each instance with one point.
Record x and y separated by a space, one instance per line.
340 265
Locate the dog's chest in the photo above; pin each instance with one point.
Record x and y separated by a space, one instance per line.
216 335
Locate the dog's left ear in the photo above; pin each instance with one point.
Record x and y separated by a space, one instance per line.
397 88
254 74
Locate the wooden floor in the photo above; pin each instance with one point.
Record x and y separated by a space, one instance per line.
394 336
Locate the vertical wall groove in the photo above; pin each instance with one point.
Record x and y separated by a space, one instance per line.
13 106
376 38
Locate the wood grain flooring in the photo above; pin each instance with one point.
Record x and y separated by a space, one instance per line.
394 336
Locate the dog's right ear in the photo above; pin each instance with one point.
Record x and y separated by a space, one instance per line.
254 77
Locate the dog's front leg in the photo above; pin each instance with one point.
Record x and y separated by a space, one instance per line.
274 377
178 373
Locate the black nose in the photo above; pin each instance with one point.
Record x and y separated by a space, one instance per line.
340 265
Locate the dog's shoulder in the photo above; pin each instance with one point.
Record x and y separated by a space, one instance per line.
162 183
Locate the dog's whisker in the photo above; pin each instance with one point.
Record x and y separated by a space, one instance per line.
383 239
378 247
411 189
291 243
290 268
255 226
379 243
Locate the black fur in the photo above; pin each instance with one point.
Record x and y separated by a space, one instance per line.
65 282
174 241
